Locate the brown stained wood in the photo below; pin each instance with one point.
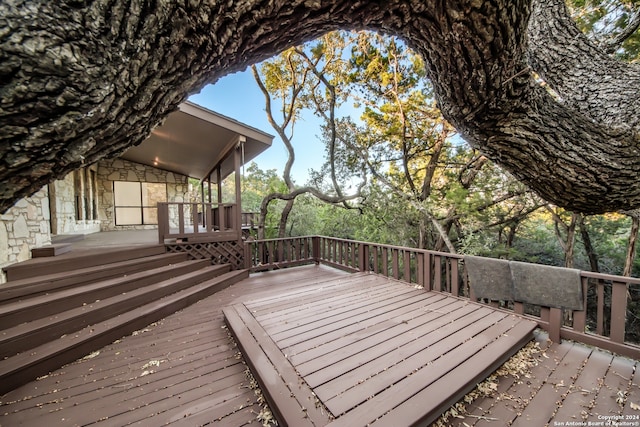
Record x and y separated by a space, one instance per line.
14 313
342 395
380 351
318 320
55 249
394 397
551 394
50 282
291 400
294 316
522 392
324 297
350 333
21 368
353 374
22 337
192 341
92 388
423 409
583 392
74 260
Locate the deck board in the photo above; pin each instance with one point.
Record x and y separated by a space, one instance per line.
197 351
369 354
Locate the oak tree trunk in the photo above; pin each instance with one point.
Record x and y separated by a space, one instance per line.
84 79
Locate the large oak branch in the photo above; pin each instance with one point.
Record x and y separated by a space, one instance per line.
81 80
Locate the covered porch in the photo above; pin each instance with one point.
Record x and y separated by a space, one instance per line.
208 147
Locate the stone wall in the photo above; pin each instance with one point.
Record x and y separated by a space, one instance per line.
123 170
23 227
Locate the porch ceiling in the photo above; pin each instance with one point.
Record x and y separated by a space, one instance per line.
193 140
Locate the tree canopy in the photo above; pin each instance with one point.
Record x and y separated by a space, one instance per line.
81 80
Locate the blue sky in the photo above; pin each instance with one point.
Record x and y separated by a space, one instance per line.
238 96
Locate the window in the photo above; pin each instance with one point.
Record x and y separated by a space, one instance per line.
135 202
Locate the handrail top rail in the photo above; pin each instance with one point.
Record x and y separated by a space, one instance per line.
402 248
198 203
583 273
610 277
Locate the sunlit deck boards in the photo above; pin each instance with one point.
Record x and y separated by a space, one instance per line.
372 350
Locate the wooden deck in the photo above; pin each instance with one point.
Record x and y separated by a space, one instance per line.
372 350
185 370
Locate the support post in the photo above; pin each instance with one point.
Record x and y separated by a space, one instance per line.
237 161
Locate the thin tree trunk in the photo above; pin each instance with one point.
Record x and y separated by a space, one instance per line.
631 246
588 247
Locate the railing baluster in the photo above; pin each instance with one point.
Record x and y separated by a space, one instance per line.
600 307
194 218
407 267
395 265
181 218
455 286
385 262
420 269
580 317
437 272
429 285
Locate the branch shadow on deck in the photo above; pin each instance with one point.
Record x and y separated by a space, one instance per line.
366 349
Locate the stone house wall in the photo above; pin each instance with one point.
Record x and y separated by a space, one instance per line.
123 170
23 227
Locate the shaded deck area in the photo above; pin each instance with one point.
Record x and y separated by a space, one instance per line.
185 369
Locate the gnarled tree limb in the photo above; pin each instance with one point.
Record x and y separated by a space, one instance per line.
81 80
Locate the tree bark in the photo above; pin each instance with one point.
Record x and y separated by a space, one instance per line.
631 246
82 80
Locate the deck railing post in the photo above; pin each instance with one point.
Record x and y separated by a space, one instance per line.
194 218
618 311
248 259
555 324
163 221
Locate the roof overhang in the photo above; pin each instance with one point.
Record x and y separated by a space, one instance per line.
194 141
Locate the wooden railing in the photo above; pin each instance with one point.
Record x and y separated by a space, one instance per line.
198 222
602 323
250 219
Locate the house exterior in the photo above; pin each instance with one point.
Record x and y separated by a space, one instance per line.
122 193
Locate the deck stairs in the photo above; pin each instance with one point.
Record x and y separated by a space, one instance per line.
58 309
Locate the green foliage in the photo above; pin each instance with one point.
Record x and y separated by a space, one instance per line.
603 19
419 173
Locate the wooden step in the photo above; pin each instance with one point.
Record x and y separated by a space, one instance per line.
19 289
28 335
67 238
15 313
51 250
74 260
20 369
